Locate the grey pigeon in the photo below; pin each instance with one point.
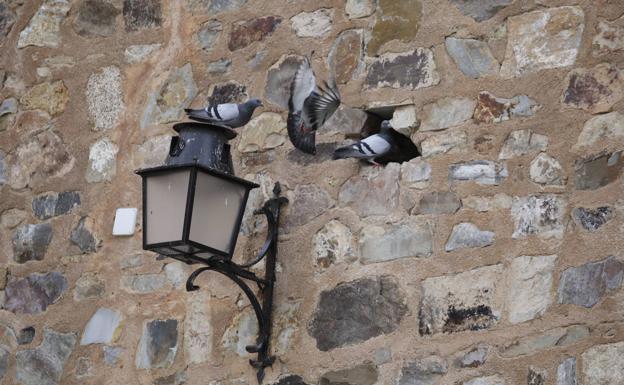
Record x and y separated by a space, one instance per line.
309 107
227 114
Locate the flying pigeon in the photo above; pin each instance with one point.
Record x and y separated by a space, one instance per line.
227 114
384 147
309 107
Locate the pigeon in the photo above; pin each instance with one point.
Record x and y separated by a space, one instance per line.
384 147
309 107
227 114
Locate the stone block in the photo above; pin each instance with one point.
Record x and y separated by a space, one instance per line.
409 70
587 284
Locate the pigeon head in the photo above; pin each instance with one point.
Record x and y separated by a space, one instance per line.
255 102
386 126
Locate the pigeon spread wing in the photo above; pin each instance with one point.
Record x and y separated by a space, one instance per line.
367 148
299 123
219 113
323 106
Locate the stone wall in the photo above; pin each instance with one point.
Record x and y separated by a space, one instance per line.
493 259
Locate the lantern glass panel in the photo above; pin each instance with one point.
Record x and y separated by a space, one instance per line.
217 209
165 205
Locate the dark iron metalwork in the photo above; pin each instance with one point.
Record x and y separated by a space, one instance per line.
235 272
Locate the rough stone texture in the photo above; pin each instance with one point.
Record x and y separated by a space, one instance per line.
346 57
44 364
416 173
480 10
585 285
426 371
566 372
601 128
483 172
198 329
34 293
105 97
598 171
308 202
445 113
262 133
411 70
364 374
144 283
176 93
214 7
279 79
83 236
541 215
242 332
442 202
220 66
102 161
12 218
522 142
139 53
542 39
467 235
408 239
4 360
51 97
111 354
591 219
96 18
492 109
609 36
8 110
531 284
372 194
228 92
44 28
140 14
404 119
153 152
472 57
545 169
7 19
2 169
313 24
603 364
548 339
291 380
54 204
245 33
536 376
26 335
489 380
208 34
394 21
356 311
356 9
464 301
333 244
102 328
89 286
158 345
31 242
474 357
595 90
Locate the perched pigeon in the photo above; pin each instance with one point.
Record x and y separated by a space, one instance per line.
227 114
309 107
384 147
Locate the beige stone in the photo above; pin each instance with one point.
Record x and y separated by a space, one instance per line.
263 133
51 97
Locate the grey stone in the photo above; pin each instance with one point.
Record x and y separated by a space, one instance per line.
483 172
409 70
4 360
145 283
2 170
218 67
228 92
175 94
375 193
140 14
474 357
412 238
214 7
309 201
426 371
84 367
595 89
153 152
33 294
102 328
356 311
603 364
446 112
198 328
492 109
609 36
243 331
138 53
105 97
55 204
363 374
602 128
8 110
598 171
546 340
459 302
83 237
96 18
349 121
333 244
7 19
44 364
592 218
438 202
541 215
546 170
112 354
208 34
536 376
382 356
264 132
416 173
543 39
404 119
356 9
102 161
279 79
467 235
448 141
346 56
531 279
585 285
472 57
313 24
480 10
30 242
89 286
489 380
43 30
158 345
177 378
26 335
566 372
176 273
245 33
522 142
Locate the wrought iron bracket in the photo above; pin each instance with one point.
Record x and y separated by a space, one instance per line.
237 272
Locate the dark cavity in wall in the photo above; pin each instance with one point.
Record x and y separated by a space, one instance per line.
472 318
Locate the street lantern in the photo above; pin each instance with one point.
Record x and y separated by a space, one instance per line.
193 207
